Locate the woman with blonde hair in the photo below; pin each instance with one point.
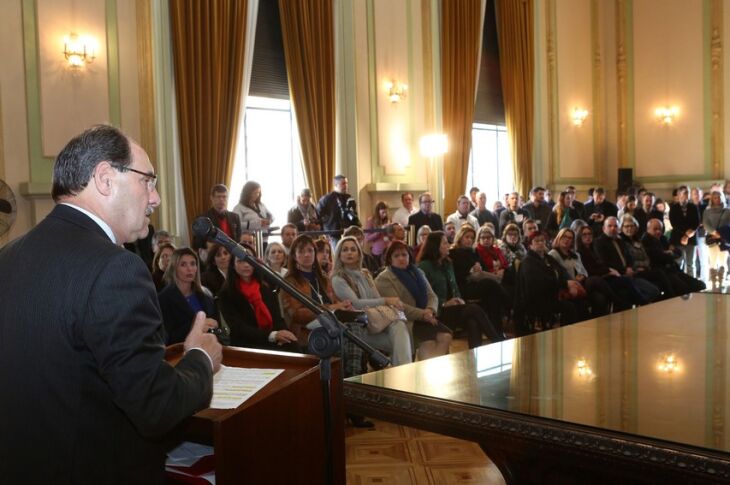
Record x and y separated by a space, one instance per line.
350 282
275 257
715 216
184 296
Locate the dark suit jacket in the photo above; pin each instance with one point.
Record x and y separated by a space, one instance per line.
86 390
655 248
432 220
177 314
607 253
608 209
234 222
681 222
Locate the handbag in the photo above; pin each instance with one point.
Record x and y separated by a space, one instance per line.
381 316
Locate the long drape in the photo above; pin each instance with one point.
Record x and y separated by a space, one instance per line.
308 33
208 39
461 34
516 61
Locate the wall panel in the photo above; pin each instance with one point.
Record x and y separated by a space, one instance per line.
668 70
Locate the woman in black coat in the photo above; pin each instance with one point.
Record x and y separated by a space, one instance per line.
539 282
474 281
183 296
251 310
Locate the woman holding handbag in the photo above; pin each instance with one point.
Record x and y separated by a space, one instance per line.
402 279
351 282
715 216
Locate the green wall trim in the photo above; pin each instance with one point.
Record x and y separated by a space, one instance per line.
372 94
710 329
707 83
411 104
41 167
629 42
112 52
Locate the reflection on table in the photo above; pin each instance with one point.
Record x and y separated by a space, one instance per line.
654 374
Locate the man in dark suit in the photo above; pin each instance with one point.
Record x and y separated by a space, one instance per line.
87 394
222 218
685 219
663 256
425 216
615 253
598 209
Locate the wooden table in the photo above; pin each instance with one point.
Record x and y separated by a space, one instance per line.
639 396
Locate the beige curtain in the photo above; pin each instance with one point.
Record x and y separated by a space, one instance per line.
515 33
208 39
308 31
461 34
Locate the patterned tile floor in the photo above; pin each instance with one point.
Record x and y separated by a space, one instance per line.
390 454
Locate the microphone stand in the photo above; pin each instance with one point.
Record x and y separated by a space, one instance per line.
324 341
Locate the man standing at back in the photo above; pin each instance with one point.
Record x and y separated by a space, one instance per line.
88 394
685 219
337 209
222 218
425 216
403 213
537 208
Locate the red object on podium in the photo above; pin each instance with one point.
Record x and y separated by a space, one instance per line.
278 435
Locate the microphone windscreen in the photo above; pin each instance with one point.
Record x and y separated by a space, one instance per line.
203 227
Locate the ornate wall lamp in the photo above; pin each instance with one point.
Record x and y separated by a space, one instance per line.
666 114
79 51
578 116
397 91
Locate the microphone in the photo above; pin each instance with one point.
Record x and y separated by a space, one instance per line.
204 228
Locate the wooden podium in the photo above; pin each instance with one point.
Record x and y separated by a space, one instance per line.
278 435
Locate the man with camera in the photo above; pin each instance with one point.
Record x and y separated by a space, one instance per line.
338 210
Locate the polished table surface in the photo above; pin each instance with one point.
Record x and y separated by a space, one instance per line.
651 377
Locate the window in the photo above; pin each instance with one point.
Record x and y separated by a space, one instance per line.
490 162
269 155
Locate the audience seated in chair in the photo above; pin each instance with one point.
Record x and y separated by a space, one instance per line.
434 261
403 280
183 296
251 310
216 268
352 283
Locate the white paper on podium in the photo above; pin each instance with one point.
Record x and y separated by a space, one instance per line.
232 386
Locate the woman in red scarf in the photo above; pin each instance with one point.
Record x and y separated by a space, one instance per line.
251 310
492 258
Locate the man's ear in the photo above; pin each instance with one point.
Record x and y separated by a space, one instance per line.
103 178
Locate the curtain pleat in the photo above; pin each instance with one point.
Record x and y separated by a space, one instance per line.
208 41
516 50
308 33
461 33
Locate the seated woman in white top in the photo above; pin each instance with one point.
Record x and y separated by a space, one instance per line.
351 282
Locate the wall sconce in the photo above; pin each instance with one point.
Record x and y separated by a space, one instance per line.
396 91
584 370
79 51
667 114
579 116
434 145
669 364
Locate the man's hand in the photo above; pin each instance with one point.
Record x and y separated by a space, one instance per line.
200 338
